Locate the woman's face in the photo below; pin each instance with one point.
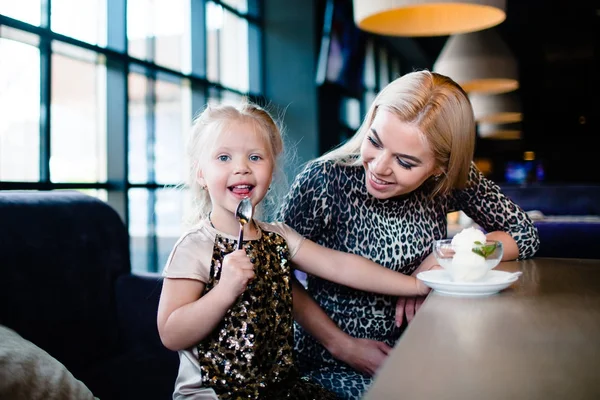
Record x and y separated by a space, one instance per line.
396 157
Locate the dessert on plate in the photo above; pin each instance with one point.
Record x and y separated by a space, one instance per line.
469 255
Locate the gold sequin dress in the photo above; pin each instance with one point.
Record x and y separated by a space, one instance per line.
249 355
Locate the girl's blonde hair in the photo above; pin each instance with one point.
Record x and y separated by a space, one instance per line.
440 108
207 126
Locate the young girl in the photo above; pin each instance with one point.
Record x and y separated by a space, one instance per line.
229 312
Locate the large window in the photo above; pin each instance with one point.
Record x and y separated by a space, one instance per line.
102 103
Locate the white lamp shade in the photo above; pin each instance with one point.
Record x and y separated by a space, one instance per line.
480 62
427 17
500 131
496 108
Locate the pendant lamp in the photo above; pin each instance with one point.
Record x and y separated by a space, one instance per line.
499 131
479 62
496 108
427 17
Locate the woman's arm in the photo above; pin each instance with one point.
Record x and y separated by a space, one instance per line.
504 220
364 355
509 245
355 271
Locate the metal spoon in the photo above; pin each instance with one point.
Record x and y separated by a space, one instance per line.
243 213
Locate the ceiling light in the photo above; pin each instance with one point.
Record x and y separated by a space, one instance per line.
427 17
496 108
480 62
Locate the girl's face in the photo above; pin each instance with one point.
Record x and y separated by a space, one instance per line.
396 157
239 165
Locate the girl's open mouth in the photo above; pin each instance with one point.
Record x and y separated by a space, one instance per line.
241 190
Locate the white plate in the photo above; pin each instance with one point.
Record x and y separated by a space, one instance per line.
440 281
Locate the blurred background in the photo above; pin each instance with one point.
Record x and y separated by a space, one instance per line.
98 95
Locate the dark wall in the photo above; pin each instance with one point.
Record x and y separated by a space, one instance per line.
556 45
557 49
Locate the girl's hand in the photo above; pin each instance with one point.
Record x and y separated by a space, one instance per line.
236 272
422 289
408 306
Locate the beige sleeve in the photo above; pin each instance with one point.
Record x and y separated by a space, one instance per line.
294 239
190 257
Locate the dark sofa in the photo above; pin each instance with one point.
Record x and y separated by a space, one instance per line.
66 286
568 217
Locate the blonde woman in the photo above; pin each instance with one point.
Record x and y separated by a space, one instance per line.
384 195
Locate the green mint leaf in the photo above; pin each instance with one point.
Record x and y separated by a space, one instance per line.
478 251
484 250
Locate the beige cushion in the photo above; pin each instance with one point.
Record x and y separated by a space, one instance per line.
29 373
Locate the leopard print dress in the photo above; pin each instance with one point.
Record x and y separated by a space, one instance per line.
330 205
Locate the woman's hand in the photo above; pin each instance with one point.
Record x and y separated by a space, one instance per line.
236 272
364 355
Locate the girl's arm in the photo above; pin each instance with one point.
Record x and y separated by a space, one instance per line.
355 271
185 316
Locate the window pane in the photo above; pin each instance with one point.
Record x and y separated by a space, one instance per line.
139 115
240 5
164 209
83 20
139 225
20 93
78 116
231 98
218 96
227 48
159 117
170 208
171 117
28 11
159 31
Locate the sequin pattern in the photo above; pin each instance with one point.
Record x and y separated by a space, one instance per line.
250 354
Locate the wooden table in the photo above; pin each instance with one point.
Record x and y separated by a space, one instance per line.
538 339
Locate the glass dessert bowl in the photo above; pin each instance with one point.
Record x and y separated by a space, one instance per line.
468 261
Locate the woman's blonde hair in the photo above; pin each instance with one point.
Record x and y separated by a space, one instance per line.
207 126
440 108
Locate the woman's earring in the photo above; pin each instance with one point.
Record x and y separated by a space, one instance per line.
437 177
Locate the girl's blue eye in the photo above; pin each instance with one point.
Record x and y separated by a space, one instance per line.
255 157
223 158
